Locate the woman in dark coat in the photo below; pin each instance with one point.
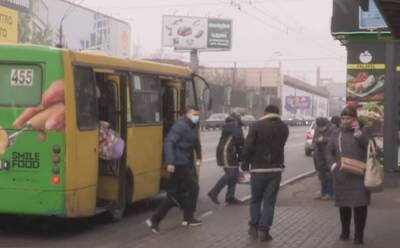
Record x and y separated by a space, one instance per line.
350 192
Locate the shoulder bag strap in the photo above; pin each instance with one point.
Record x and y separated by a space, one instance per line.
340 143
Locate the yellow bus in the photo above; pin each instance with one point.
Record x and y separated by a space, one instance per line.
62 174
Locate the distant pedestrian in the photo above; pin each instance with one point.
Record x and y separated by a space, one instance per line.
321 137
350 193
264 156
228 153
181 143
335 120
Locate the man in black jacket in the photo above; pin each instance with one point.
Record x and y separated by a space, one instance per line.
179 147
264 152
322 135
229 150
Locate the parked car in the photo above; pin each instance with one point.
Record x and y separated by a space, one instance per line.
308 148
248 120
215 121
308 120
288 120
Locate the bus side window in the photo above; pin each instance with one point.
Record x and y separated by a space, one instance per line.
146 100
86 105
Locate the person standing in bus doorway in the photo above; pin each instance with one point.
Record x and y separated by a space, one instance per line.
229 151
264 152
180 145
321 137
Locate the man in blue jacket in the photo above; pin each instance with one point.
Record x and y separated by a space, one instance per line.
179 147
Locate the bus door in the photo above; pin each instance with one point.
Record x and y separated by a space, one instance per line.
111 98
171 104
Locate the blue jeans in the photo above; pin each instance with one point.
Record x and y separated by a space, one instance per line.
264 191
229 179
325 176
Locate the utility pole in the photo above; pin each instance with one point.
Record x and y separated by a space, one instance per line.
194 60
260 80
234 71
318 76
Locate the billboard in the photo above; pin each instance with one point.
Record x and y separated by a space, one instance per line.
186 33
371 19
348 18
293 103
47 22
219 34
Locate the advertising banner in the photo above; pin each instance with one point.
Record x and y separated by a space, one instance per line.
371 19
365 84
348 19
19 5
219 34
8 25
54 22
365 71
185 33
297 102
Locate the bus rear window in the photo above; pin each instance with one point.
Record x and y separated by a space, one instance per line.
20 85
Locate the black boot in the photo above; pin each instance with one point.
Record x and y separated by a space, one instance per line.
345 218
264 236
253 232
360 217
213 197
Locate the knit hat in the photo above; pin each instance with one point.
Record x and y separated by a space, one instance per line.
349 112
321 122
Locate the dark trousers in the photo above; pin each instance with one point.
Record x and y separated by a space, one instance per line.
360 218
264 191
229 179
325 177
183 191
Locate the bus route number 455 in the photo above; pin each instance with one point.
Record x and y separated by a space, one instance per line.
21 77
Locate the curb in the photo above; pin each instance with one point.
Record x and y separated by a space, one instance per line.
287 182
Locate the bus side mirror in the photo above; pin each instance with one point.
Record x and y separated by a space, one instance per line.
204 91
206 97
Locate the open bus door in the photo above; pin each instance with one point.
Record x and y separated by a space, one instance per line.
112 102
172 111
171 104
203 94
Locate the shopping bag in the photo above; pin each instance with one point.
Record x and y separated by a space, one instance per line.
374 173
244 177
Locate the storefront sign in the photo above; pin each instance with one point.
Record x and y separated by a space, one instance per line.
8 25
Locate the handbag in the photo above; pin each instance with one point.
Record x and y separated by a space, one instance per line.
374 174
350 165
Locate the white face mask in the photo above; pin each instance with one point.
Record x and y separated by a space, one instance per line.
195 119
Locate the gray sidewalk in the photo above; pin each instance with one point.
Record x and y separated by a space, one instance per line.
300 221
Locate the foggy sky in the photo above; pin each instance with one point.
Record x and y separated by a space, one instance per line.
295 32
